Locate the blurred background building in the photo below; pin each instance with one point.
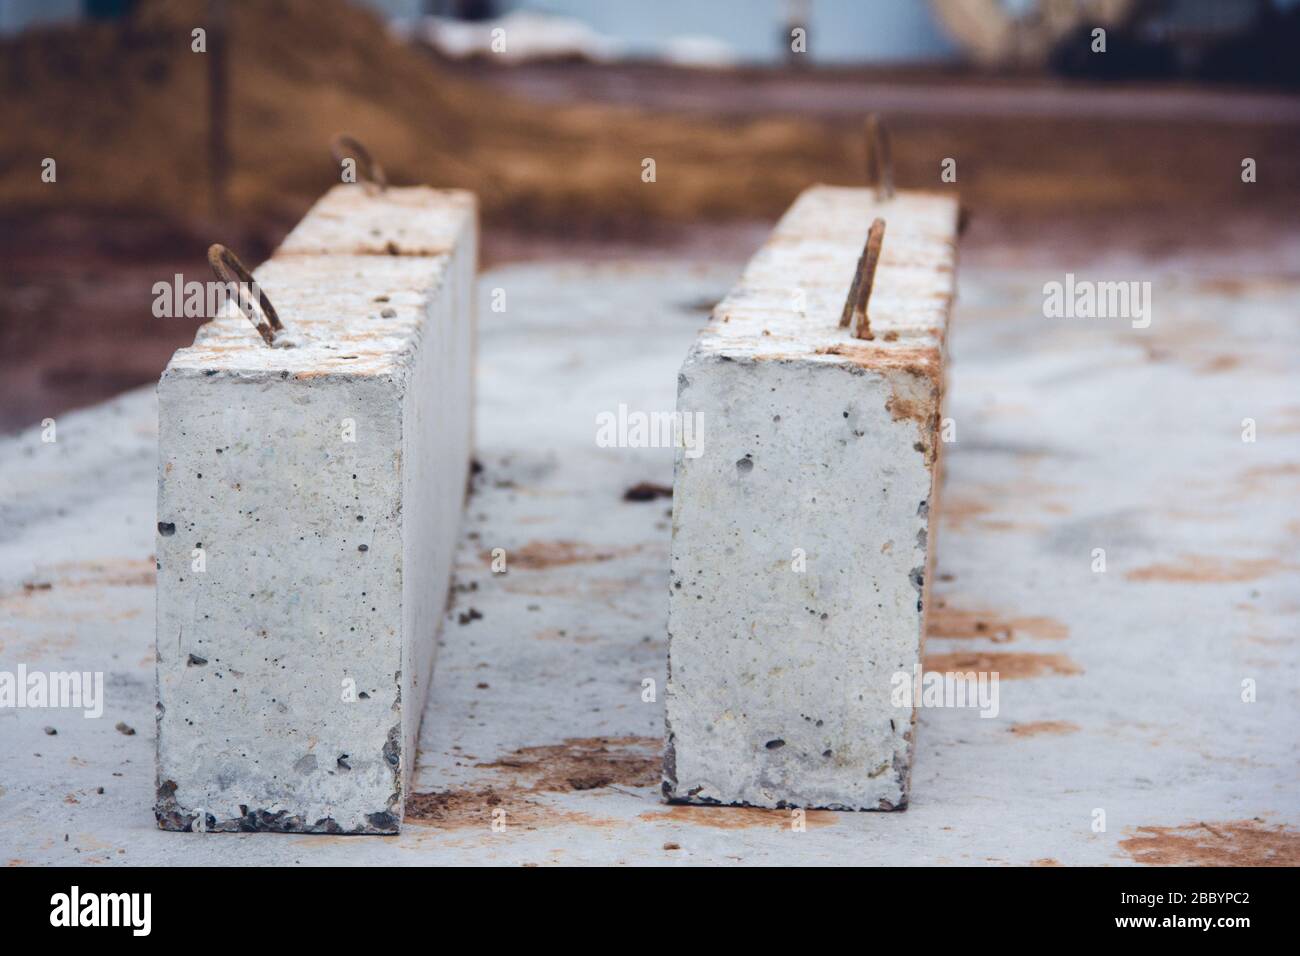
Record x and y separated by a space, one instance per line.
1248 40
1062 153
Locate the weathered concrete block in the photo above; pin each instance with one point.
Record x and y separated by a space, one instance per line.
801 534
308 506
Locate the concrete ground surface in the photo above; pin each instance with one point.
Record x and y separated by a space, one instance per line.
1121 737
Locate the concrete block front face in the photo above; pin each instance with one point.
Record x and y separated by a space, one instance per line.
801 534
308 507
255 725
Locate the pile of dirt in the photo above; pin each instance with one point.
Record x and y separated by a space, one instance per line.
123 109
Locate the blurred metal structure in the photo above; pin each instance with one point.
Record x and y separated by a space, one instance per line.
1221 39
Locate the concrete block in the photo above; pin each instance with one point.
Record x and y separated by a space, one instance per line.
802 535
308 506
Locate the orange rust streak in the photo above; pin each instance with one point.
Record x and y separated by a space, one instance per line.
950 622
1008 665
1202 569
536 555
1037 727
1235 843
737 818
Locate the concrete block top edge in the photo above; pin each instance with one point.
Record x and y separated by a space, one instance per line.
398 221
347 314
788 301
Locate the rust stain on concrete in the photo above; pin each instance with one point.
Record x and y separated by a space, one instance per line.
579 763
1008 665
1205 569
1218 363
920 361
901 408
957 511
1035 728
1263 477
951 622
538 555
585 763
1235 843
109 573
1005 525
482 808
737 818
607 592
1265 641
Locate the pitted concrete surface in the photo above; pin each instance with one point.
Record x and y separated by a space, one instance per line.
294 663
1121 691
800 522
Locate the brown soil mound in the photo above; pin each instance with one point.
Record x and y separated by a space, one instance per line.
122 108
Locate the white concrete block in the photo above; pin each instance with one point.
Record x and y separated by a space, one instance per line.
801 534
321 486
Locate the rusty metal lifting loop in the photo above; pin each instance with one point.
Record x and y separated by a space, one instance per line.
344 147
854 315
231 271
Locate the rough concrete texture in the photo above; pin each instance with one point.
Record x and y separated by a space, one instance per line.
1121 690
800 527
407 221
320 489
